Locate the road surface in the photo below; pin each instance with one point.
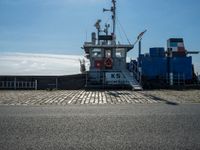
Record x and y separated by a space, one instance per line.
155 126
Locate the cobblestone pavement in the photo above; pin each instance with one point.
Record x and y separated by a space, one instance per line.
73 97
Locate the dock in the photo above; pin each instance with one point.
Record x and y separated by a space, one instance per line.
74 97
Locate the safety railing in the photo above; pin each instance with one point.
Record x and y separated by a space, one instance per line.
175 79
18 85
137 73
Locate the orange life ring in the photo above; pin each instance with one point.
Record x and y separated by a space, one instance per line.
108 62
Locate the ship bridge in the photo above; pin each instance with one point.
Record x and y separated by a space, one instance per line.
108 67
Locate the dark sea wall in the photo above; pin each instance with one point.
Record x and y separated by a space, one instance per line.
69 82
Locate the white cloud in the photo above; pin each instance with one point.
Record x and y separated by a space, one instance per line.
38 64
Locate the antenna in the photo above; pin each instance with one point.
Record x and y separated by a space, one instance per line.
98 27
107 26
113 10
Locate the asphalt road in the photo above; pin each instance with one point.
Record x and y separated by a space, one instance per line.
153 127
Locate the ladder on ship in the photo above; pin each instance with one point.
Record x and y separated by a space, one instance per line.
132 80
99 80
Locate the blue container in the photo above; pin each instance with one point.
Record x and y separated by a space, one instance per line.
157 65
182 66
157 52
153 67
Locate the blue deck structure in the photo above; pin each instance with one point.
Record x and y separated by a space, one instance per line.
153 67
171 67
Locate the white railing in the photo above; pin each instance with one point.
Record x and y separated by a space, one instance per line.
18 85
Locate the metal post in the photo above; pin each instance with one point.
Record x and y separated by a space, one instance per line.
3 84
140 48
139 62
86 78
170 70
6 84
171 79
15 83
179 76
26 84
113 10
98 36
114 16
104 80
36 85
56 83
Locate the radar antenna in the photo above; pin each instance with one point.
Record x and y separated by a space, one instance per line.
113 10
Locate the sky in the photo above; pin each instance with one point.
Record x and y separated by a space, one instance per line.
60 27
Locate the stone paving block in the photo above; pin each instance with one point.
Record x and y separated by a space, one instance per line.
73 97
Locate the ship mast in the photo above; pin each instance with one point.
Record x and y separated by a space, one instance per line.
113 10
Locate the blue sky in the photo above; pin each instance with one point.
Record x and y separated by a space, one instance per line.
60 26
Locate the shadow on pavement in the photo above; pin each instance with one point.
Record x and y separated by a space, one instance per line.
163 100
117 94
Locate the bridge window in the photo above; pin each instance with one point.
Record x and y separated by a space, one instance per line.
96 53
108 53
120 52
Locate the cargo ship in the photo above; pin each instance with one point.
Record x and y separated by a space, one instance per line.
108 67
160 68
